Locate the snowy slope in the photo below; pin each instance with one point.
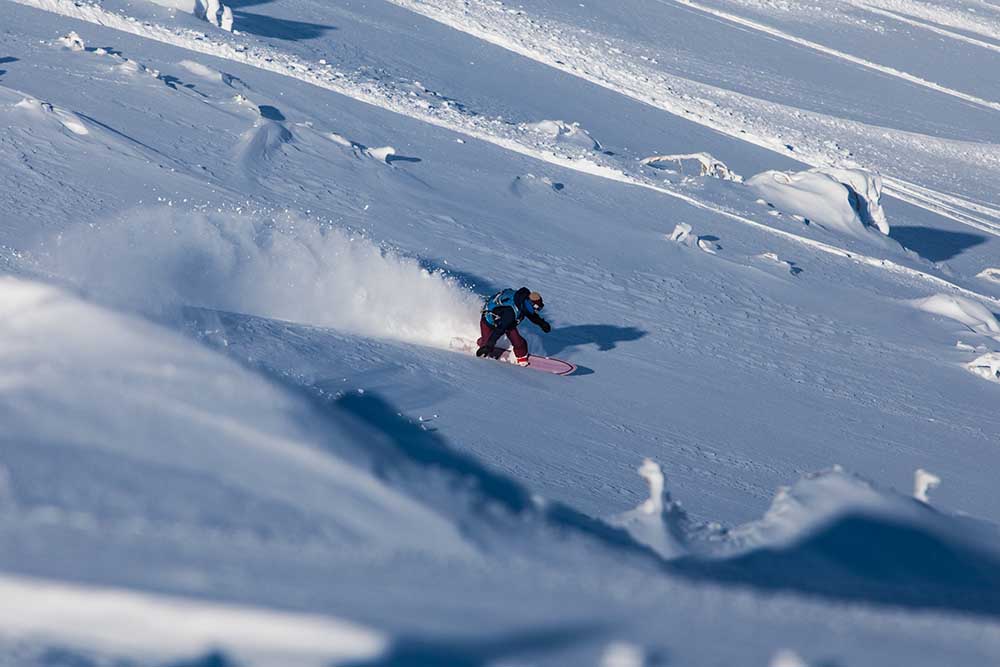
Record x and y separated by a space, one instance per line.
237 262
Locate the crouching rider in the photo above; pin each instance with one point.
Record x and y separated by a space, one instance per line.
501 315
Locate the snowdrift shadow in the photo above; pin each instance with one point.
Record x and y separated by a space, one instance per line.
389 159
427 448
211 659
4 60
463 652
869 558
936 245
605 336
404 442
270 26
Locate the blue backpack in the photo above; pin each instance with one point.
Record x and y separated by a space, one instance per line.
501 298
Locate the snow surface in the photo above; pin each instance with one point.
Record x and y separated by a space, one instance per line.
238 242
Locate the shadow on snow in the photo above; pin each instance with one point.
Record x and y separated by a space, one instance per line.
464 652
869 558
932 562
936 245
604 336
270 26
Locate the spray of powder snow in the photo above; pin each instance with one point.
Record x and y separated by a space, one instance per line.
285 268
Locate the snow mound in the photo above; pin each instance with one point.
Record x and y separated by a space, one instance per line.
382 153
72 41
527 184
986 366
658 522
845 201
971 313
216 13
683 235
122 399
773 257
281 267
834 534
204 71
923 482
43 110
991 274
707 165
260 146
561 132
787 658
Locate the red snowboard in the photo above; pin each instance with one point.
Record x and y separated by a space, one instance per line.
544 364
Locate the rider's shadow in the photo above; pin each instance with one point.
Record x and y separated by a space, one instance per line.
604 336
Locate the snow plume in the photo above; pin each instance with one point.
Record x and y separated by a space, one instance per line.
283 267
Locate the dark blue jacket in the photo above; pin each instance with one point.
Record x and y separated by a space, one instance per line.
506 309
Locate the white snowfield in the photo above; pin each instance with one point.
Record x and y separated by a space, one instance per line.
239 242
157 627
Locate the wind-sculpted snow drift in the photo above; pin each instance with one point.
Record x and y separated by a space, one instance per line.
280 267
971 313
835 535
845 201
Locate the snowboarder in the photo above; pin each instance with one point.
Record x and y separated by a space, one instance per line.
501 315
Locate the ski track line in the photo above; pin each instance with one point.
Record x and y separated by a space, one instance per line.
954 208
926 26
815 46
678 103
290 66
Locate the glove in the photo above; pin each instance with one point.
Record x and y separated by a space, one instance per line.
546 327
484 351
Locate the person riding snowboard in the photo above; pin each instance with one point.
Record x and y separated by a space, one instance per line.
501 315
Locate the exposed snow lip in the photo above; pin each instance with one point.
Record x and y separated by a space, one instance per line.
119 620
883 69
479 127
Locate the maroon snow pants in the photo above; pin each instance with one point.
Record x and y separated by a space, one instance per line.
513 335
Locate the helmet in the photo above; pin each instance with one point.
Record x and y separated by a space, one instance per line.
536 300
